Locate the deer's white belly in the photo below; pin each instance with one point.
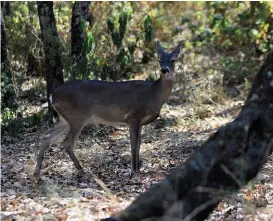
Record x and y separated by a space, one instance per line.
150 117
97 120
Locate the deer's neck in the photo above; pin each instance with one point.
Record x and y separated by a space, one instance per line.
163 89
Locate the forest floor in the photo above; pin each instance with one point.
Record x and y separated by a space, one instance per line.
166 143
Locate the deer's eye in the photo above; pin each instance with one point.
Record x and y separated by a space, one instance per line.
172 61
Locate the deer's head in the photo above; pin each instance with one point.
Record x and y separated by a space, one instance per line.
167 60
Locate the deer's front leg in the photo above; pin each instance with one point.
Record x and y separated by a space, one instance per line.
135 138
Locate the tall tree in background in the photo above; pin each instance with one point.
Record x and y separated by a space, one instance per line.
78 52
50 37
8 93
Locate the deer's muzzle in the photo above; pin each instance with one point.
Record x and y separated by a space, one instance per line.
165 70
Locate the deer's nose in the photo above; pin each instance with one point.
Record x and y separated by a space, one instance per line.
165 70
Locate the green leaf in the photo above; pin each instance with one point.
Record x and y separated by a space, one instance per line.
90 40
111 26
148 28
123 18
253 33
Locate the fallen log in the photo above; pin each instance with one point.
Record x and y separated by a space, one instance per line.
221 166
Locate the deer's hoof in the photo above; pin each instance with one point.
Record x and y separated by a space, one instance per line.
134 174
81 173
82 177
37 175
38 178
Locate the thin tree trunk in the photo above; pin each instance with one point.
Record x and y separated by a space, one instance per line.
4 44
221 166
8 96
50 37
6 8
78 52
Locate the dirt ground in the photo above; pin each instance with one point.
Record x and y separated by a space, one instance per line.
105 154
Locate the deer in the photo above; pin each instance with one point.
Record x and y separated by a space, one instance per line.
133 103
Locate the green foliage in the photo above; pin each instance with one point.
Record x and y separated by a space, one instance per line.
123 18
148 28
244 29
23 30
8 96
225 25
114 34
117 36
124 57
83 67
89 43
14 125
233 25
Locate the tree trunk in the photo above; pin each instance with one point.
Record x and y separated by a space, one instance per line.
8 93
4 44
6 8
78 52
50 37
221 166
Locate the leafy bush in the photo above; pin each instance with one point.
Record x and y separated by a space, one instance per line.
15 125
241 31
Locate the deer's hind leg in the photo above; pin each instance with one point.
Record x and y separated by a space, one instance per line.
76 126
59 129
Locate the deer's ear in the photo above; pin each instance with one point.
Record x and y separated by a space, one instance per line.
160 50
175 53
